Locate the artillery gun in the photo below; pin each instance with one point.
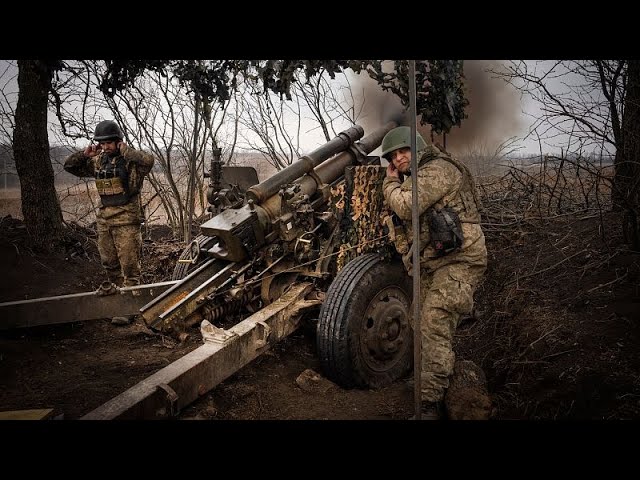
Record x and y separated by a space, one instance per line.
269 253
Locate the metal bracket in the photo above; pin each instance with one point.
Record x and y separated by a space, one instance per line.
213 334
172 400
357 150
316 178
264 331
194 252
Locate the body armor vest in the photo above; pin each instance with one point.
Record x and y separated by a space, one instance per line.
467 192
445 229
112 181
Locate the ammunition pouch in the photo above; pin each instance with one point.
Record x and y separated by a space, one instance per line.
112 191
445 230
112 183
110 186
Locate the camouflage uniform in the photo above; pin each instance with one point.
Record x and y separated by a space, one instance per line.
447 282
119 235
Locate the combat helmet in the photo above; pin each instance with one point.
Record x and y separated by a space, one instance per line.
400 137
107 130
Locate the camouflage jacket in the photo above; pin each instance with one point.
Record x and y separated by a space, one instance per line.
441 182
138 165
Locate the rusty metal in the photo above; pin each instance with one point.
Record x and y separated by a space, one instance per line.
187 295
230 307
172 400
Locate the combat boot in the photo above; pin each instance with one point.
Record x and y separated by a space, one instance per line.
106 288
431 411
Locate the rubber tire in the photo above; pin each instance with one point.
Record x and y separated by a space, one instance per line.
342 318
181 270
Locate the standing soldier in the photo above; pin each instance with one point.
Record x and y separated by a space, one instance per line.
453 255
119 172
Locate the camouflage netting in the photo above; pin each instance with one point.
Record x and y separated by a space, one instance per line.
362 216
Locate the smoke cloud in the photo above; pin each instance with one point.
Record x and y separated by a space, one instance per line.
494 113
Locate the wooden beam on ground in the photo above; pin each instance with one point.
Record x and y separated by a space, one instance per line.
78 307
169 390
34 414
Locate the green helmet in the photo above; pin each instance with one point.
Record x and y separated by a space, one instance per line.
107 130
400 137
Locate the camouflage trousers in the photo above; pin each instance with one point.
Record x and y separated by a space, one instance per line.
120 248
447 294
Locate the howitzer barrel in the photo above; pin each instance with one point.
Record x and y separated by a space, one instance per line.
330 171
305 164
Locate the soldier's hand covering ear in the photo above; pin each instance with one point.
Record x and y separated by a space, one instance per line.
92 150
392 171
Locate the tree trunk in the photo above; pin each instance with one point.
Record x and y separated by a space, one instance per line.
40 206
627 177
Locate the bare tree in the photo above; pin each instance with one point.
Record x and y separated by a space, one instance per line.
627 179
270 123
577 99
8 101
269 126
329 102
593 104
40 206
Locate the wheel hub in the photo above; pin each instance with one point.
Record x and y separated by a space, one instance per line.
386 327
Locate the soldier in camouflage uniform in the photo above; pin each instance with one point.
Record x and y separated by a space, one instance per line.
119 171
449 273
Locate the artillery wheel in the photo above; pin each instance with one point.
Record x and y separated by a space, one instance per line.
364 335
193 250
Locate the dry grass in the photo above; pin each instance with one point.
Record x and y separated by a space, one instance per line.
557 336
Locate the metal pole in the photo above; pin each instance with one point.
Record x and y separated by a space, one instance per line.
415 223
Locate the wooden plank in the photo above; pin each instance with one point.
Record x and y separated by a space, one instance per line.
34 414
78 307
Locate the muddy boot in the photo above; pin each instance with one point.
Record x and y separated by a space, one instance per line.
120 321
106 288
431 411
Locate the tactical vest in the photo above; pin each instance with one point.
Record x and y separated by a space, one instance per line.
467 190
112 181
445 229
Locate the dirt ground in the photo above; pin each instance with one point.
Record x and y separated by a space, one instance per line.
557 332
